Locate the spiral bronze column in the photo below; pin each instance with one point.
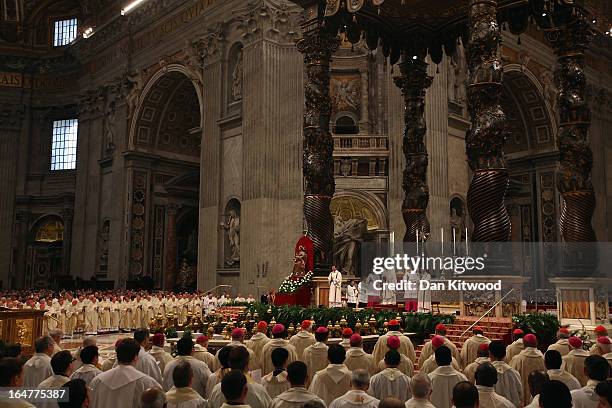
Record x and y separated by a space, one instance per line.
486 136
575 156
413 82
317 47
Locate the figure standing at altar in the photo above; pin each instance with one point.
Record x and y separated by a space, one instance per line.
424 296
335 288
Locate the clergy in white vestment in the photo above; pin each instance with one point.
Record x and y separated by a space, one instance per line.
334 380
146 362
38 367
276 382
573 362
420 388
562 343
362 294
209 304
469 350
444 378
536 381
346 334
335 288
121 386
553 362
278 340
297 395
357 358
351 295
381 347
184 349
528 360
235 390
357 396
87 341
88 370
516 346
56 335
181 395
315 356
259 339
200 352
11 376
303 338
256 395
509 384
61 363
486 378
597 370
603 346
427 350
216 377
430 364
482 357
390 382
158 352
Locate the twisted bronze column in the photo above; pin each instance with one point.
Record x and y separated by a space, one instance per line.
486 136
317 47
575 156
413 82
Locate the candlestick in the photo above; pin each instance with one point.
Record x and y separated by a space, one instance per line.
417 242
467 250
454 242
442 239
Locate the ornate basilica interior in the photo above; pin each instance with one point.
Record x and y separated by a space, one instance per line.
165 143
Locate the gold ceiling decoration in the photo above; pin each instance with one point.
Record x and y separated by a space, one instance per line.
354 208
50 231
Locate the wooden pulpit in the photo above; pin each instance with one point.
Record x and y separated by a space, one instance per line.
21 326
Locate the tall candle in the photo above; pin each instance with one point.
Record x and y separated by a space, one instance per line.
442 239
467 250
454 241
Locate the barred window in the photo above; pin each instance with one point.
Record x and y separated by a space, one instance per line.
64 31
64 144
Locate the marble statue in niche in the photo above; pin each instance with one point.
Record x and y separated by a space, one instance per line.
348 235
109 126
232 227
457 219
457 76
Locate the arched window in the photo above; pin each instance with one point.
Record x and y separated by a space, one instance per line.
345 125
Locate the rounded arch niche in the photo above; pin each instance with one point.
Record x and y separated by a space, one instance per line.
167 120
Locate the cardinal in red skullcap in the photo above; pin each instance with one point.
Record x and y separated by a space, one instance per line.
200 352
278 340
482 356
406 348
469 350
315 355
603 347
347 332
257 343
357 358
573 362
303 338
157 351
562 343
528 360
599 331
516 346
429 365
427 351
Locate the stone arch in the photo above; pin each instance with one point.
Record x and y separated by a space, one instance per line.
160 123
361 204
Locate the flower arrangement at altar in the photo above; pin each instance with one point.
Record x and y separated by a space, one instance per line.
293 282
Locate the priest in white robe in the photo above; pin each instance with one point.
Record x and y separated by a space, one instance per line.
553 362
181 395
406 346
516 346
297 395
278 340
333 381
146 362
469 350
158 352
357 396
38 367
357 358
276 382
486 378
303 338
61 363
12 367
444 378
335 288
528 360
122 386
482 357
201 372
420 388
509 384
88 370
315 356
573 362
390 382
200 352
259 339
562 343
597 370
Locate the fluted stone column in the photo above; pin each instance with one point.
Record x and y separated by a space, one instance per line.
485 138
67 216
317 47
11 117
414 81
170 248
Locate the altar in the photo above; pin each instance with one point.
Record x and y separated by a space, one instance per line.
22 326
